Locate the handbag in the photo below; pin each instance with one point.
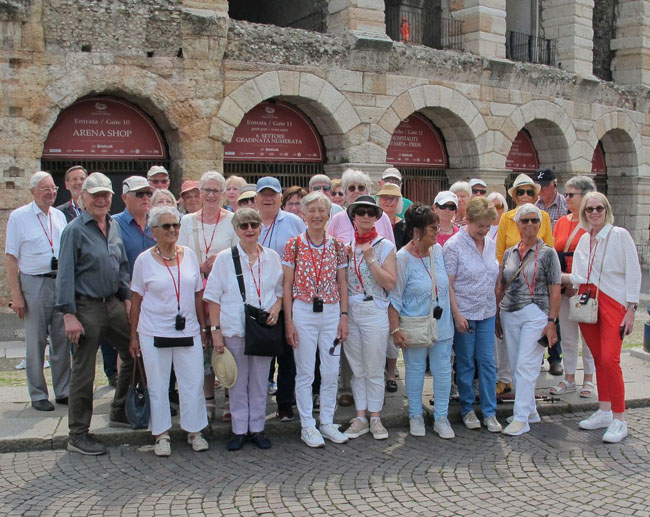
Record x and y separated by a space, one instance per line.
587 312
422 331
137 397
259 338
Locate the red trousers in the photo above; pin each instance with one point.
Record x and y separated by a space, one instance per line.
604 340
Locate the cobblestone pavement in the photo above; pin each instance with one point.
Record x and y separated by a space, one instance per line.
555 469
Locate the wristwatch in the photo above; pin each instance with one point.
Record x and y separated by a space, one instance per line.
554 320
215 327
634 306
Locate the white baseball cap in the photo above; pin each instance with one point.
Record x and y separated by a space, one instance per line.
444 197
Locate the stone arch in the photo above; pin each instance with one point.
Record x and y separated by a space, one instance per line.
621 142
466 133
332 114
552 132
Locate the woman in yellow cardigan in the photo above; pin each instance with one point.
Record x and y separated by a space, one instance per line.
523 191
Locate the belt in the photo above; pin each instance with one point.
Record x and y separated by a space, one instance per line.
52 274
85 298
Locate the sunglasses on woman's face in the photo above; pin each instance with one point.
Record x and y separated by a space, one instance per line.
480 191
498 207
168 226
571 195
337 193
527 192
326 188
529 221
360 188
365 211
252 225
600 209
448 206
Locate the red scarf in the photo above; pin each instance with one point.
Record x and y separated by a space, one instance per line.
366 237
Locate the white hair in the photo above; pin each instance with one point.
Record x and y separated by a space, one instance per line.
37 177
319 178
213 175
355 176
527 208
158 211
498 196
162 192
461 185
314 197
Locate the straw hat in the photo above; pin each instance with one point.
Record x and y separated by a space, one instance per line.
521 181
389 189
224 367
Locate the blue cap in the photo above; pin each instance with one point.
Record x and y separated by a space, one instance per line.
269 182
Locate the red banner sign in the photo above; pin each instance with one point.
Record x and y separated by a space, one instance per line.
101 128
274 132
598 164
523 155
416 142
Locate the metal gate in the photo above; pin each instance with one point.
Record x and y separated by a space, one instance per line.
423 184
288 174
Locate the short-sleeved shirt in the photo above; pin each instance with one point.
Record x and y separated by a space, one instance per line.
285 226
475 275
555 210
154 283
135 239
518 294
310 262
357 266
341 227
442 239
193 232
563 230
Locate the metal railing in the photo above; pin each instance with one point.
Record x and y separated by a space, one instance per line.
530 49
423 27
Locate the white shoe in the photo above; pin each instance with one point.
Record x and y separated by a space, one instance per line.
46 364
443 428
516 428
598 420
357 428
471 421
312 437
616 431
492 424
533 418
377 429
416 425
163 446
197 442
332 433
21 365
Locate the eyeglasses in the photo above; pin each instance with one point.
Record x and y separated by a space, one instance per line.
49 189
361 211
394 181
213 191
143 193
449 206
333 347
253 225
434 228
360 188
529 221
600 209
326 188
160 182
168 226
293 203
571 195
479 191
527 192
337 193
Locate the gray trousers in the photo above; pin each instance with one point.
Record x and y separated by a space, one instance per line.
106 319
42 320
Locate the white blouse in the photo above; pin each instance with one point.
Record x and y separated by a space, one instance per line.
193 233
621 272
222 287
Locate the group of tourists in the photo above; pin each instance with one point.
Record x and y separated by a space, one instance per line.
343 280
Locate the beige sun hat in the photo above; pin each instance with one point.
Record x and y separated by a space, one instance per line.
521 181
225 367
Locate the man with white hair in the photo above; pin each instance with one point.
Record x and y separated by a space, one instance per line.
158 177
32 254
394 177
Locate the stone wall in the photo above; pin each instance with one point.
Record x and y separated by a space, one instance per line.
604 32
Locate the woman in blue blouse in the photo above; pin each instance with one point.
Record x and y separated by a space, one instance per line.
412 297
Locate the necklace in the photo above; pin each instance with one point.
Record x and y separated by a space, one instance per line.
167 258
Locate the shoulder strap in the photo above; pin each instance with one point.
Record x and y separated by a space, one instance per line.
238 272
434 281
573 234
521 266
195 231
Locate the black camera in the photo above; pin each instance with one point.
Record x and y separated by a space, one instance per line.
54 264
180 322
584 297
318 304
437 312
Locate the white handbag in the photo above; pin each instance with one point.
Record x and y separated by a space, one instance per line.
422 331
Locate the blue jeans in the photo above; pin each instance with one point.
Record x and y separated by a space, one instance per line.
415 359
476 348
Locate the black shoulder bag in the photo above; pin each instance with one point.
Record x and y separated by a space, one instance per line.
260 338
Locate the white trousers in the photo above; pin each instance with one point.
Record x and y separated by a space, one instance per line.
188 365
316 333
571 339
365 349
521 330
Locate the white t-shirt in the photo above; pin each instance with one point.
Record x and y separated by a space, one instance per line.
153 282
382 248
192 231
222 287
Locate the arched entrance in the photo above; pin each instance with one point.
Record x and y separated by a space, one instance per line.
275 139
599 168
521 158
103 134
418 150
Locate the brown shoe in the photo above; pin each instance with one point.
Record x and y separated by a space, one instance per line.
346 400
503 387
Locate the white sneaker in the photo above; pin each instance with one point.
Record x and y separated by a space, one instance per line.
516 428
598 420
443 428
377 429
471 421
197 442
416 425
357 428
492 424
312 437
332 433
21 365
533 418
163 446
616 431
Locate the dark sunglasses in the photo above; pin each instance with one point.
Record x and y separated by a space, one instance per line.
449 206
571 195
333 347
254 225
247 201
361 211
169 226
326 188
600 209
498 207
529 221
360 188
479 191
337 193
143 193
527 192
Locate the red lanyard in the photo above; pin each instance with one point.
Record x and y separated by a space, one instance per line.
357 269
591 260
531 288
50 237
177 289
313 260
258 287
207 247
269 230
429 273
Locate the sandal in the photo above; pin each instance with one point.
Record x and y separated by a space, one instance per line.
587 390
563 387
